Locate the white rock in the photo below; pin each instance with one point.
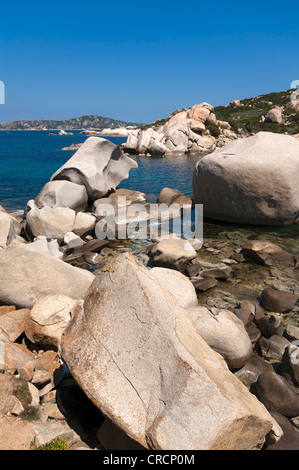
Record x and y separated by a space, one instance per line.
84 224
178 285
27 274
62 193
99 165
50 222
225 333
48 318
253 181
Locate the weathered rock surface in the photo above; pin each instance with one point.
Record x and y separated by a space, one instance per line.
99 165
252 181
201 285
268 253
9 228
27 274
13 322
48 319
178 285
224 333
62 193
152 368
49 222
173 196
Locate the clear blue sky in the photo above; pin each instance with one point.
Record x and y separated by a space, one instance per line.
138 61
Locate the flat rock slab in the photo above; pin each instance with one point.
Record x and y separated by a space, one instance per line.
27 274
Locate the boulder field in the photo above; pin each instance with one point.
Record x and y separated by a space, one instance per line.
163 344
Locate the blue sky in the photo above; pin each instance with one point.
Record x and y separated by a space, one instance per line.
139 61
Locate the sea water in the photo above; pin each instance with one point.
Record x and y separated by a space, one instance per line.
28 159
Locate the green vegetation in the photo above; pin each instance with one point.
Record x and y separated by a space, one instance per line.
214 130
22 393
55 444
248 116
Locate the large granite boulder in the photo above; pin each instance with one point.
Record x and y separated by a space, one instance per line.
26 274
252 181
63 194
99 165
137 356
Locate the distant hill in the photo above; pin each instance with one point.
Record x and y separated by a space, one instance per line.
82 122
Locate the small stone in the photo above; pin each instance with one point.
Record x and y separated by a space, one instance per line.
17 408
273 348
238 257
53 411
193 270
292 332
279 301
41 378
221 273
269 325
201 285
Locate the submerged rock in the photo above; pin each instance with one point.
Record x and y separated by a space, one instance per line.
267 253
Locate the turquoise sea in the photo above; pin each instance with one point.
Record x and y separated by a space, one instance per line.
28 159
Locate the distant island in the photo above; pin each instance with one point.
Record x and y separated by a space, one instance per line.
82 122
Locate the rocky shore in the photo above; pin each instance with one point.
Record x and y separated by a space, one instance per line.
189 131
157 343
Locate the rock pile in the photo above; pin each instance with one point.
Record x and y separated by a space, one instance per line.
193 131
